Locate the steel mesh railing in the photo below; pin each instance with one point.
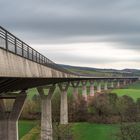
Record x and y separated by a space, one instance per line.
14 45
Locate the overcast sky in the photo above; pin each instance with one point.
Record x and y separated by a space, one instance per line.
95 33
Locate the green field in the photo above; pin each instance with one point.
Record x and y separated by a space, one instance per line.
135 85
25 127
81 131
89 131
134 93
103 131
132 90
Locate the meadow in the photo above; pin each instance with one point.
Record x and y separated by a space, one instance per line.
25 126
91 131
132 90
82 131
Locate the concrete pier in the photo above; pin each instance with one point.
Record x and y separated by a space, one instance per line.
112 84
118 84
92 92
99 87
124 82
46 112
75 85
105 85
84 90
64 103
129 82
9 120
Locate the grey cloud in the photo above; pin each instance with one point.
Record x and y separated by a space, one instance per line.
63 21
88 60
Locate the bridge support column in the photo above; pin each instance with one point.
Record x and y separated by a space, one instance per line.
118 84
84 90
9 120
112 84
92 88
106 85
124 82
46 112
99 87
64 103
75 85
130 81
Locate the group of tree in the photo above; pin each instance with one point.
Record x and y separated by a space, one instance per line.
102 108
109 108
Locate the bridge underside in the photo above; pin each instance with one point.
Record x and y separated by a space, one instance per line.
8 84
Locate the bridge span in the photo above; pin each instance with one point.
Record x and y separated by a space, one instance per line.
22 67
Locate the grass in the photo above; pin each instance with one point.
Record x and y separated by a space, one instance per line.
89 131
104 131
25 126
132 90
97 73
135 85
82 131
33 134
134 93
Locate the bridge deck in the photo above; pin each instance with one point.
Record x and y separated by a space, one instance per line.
13 84
22 67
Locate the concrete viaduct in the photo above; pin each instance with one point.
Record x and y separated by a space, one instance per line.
21 68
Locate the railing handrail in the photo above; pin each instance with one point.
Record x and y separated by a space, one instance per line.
11 43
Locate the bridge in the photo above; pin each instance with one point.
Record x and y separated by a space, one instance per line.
22 68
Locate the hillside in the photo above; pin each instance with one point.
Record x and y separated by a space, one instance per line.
102 72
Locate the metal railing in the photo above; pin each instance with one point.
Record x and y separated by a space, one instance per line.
14 45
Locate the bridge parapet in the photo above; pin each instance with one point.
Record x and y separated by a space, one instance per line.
14 45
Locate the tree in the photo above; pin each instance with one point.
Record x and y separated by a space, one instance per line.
112 102
102 108
129 131
62 132
138 107
126 108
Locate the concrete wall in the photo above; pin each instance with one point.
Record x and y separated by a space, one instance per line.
12 65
